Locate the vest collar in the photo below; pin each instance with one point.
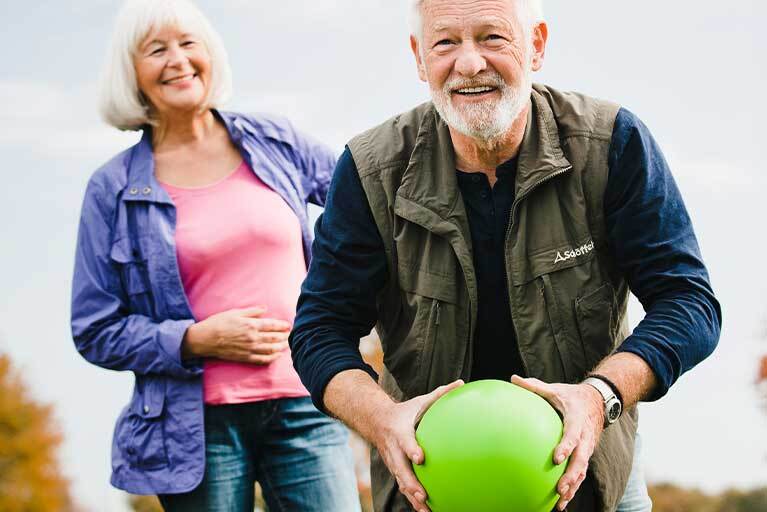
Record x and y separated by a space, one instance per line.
430 178
540 154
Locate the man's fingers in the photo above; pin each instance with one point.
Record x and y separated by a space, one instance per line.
570 438
536 386
409 485
575 473
412 450
428 399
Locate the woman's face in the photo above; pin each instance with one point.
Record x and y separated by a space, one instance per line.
173 70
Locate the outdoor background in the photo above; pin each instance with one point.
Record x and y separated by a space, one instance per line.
693 70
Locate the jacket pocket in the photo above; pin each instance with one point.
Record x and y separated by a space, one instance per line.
134 275
145 443
595 315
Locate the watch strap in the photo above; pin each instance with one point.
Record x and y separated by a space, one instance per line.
609 383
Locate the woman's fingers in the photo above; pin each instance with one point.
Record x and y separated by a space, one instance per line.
270 325
253 312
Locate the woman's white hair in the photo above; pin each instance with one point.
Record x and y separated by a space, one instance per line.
531 9
121 103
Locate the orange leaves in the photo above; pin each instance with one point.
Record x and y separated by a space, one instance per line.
30 478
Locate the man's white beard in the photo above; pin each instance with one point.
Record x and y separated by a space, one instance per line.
490 119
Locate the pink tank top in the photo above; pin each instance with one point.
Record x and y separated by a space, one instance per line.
239 245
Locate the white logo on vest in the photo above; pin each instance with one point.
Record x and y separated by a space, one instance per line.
574 253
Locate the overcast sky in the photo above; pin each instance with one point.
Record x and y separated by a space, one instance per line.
692 70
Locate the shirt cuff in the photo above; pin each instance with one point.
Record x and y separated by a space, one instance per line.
657 361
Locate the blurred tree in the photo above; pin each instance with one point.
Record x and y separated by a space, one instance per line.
144 504
748 501
670 498
30 477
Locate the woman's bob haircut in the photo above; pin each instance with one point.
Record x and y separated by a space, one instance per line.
121 103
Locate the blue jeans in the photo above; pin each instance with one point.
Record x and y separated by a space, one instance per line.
300 457
635 497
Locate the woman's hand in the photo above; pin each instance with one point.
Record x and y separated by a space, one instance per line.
237 335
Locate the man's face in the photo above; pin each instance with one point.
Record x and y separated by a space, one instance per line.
478 61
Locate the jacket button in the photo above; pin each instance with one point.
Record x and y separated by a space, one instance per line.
146 409
133 191
147 190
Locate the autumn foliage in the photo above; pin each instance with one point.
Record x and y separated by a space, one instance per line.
30 478
670 498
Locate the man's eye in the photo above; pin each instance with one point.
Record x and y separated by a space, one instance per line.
494 37
443 42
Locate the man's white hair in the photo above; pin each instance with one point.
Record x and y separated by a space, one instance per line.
532 10
121 103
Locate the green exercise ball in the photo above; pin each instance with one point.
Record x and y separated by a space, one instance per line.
488 447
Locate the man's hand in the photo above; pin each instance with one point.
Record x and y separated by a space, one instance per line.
397 444
582 410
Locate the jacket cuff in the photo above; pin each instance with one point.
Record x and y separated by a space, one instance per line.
170 335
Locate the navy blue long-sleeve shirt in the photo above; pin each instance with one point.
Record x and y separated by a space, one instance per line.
649 232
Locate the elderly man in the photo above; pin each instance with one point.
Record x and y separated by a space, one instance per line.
495 232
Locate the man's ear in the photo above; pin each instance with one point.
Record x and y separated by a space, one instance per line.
540 36
415 45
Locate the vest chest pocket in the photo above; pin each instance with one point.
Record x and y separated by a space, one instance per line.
430 300
134 275
551 336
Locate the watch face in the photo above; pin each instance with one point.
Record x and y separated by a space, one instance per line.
614 411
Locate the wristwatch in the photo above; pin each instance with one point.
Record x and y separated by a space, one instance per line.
613 405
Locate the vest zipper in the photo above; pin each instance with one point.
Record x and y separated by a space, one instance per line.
439 307
512 218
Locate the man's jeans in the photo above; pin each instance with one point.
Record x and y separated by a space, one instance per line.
300 457
635 498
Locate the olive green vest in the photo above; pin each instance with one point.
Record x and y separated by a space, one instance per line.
567 300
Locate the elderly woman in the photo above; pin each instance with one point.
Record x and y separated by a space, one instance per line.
191 250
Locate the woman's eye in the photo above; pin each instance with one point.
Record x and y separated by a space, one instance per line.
187 44
157 51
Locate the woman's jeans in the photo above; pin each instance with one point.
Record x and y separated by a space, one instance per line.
300 457
635 498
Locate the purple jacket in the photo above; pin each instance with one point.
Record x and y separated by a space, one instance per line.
129 309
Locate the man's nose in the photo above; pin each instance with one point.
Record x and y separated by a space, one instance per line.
469 62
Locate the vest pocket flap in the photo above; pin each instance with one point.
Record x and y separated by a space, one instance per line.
553 260
426 284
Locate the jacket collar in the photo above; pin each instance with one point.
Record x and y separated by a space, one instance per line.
430 178
142 183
